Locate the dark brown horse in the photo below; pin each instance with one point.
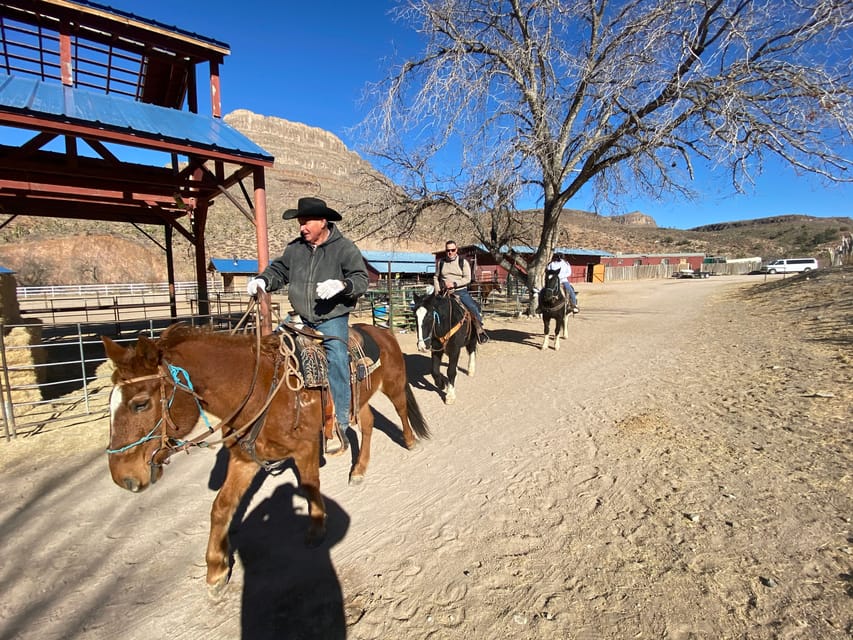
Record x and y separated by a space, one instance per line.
265 412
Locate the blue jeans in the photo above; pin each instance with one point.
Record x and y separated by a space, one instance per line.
570 291
337 355
468 301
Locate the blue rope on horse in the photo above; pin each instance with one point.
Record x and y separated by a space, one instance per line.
176 372
142 440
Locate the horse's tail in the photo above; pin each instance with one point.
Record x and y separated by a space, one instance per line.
416 418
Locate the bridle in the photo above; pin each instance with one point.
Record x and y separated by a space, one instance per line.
171 375
444 339
557 296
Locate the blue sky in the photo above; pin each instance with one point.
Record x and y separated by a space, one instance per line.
309 61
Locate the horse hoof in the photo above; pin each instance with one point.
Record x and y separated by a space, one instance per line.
216 590
356 480
416 445
449 399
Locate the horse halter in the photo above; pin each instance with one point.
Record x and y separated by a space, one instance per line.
165 372
443 339
557 295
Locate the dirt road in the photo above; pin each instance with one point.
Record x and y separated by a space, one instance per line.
679 469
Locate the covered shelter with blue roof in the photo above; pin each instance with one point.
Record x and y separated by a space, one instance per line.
229 268
408 265
101 82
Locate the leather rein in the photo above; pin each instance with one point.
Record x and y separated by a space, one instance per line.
443 340
562 300
170 373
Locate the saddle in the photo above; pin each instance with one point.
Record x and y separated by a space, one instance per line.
314 374
314 367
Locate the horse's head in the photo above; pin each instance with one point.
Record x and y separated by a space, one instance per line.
551 291
148 410
424 308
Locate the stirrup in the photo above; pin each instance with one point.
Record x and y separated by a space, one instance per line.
339 438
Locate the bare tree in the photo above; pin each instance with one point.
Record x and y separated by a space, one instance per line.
521 98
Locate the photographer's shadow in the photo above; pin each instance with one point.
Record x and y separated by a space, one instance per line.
290 590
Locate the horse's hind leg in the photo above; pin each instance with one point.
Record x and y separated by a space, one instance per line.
237 480
365 422
566 325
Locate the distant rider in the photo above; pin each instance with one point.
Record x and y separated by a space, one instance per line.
558 263
453 275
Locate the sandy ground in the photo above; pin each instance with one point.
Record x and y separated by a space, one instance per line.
681 468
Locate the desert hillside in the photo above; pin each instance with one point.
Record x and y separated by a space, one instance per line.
311 161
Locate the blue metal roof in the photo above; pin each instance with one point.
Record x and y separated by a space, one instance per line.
31 96
234 265
403 267
5 270
400 261
574 251
398 256
153 23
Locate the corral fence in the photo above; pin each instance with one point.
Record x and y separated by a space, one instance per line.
394 306
653 271
54 370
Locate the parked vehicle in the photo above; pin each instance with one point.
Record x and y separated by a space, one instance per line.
790 265
691 273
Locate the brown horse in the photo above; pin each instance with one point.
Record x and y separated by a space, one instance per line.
482 290
160 387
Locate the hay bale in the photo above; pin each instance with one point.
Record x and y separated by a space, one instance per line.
23 362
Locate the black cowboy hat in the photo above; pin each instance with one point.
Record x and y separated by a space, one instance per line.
311 208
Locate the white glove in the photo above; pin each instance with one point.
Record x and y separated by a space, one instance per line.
255 285
329 288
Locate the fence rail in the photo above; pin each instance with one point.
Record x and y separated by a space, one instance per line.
109 290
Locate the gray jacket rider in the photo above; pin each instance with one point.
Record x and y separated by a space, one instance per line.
303 266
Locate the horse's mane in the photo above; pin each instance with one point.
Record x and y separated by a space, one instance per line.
181 332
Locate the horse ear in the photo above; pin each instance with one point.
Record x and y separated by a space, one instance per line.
146 349
115 351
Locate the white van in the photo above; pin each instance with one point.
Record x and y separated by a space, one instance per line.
790 265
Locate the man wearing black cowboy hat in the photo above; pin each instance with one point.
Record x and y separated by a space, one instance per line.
326 275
